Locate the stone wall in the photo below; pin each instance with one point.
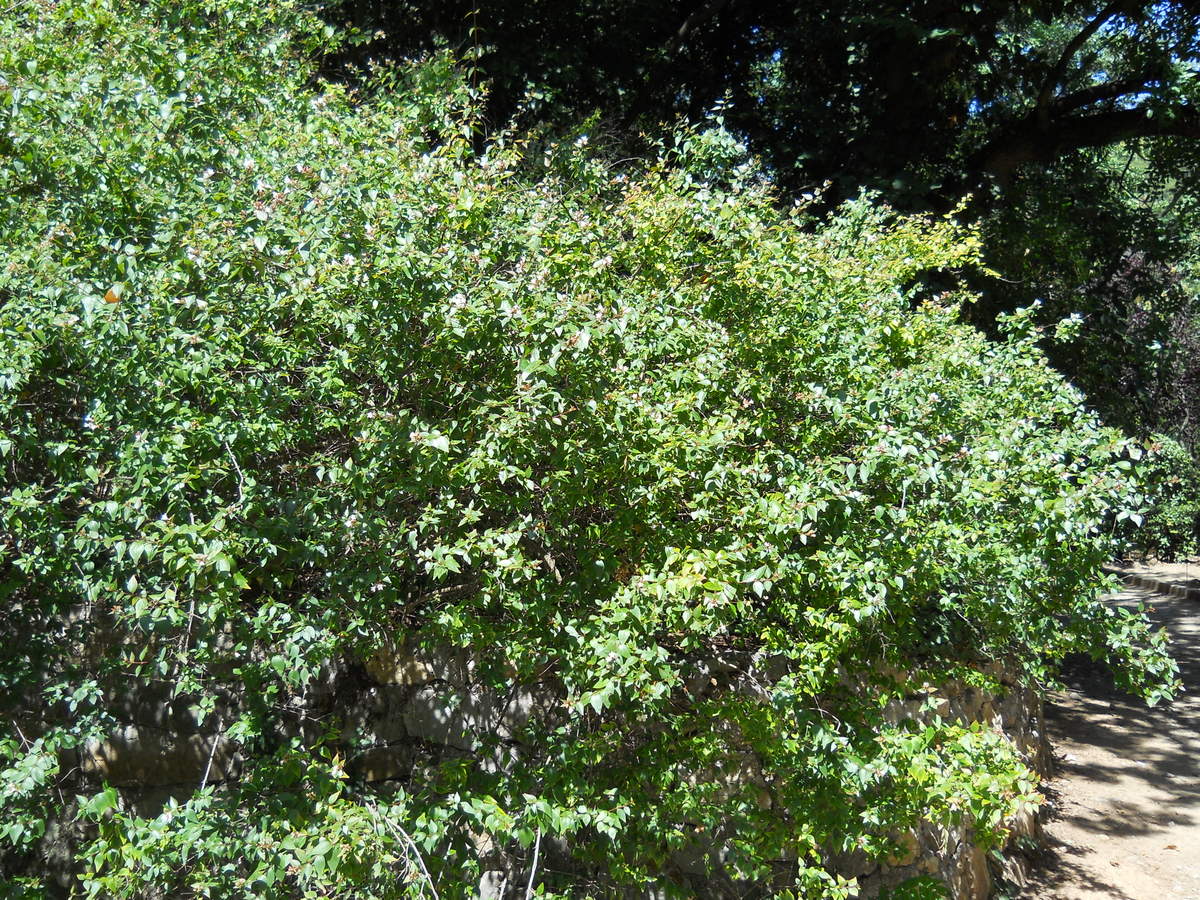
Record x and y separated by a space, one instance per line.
408 707
951 855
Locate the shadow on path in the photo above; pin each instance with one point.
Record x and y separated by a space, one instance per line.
1125 803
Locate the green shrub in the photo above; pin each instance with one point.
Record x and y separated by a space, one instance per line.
287 375
1172 521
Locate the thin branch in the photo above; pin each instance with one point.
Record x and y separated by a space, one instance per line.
537 847
1128 163
211 753
420 860
25 745
399 831
705 12
187 635
241 477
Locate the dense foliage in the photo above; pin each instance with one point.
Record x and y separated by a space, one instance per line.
1118 256
290 374
1172 519
1073 123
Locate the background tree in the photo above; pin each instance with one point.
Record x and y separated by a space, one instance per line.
855 92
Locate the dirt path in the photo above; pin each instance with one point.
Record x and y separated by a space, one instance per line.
1126 818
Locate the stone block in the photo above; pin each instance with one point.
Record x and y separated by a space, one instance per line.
969 878
148 804
1013 870
492 885
382 763
408 663
461 719
907 852
148 757
378 716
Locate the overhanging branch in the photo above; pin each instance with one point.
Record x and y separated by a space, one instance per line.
1108 91
1031 142
1085 34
